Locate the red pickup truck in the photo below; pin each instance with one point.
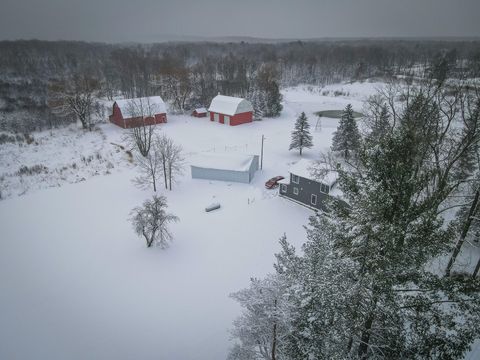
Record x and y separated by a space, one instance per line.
273 182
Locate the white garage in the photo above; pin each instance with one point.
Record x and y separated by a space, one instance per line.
224 167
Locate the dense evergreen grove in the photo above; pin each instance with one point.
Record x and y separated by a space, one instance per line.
191 74
372 281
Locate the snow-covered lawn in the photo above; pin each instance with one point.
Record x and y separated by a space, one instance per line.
76 283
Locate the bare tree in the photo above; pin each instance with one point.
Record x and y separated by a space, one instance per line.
174 163
176 83
171 158
151 221
77 98
151 169
141 137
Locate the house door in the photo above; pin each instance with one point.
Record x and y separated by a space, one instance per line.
216 117
226 119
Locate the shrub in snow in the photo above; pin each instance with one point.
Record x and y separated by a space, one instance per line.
32 170
151 221
5 138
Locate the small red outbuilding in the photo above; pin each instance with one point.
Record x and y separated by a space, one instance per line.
136 112
230 110
200 112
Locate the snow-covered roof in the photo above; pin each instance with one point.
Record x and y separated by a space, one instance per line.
233 162
229 105
151 105
201 110
304 169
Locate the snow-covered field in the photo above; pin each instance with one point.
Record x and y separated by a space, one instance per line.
76 282
54 158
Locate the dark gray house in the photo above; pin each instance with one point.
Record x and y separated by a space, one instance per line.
304 189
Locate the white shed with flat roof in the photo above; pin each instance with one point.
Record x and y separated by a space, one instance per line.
224 167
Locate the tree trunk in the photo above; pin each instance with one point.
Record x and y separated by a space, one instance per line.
475 272
170 177
464 233
164 163
83 122
274 340
365 339
147 239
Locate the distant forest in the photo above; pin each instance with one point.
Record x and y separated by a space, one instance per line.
190 74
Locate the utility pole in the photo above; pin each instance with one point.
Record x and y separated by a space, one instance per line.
261 157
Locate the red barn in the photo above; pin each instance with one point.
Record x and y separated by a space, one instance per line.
230 110
130 113
200 112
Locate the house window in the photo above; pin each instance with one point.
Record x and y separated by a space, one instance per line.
283 188
295 190
295 179
313 199
324 188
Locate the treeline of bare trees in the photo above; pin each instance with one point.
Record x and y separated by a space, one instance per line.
191 74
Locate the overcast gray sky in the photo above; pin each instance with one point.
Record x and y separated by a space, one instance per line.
153 20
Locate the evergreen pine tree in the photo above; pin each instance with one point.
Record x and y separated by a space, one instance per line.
273 100
259 104
301 137
261 328
347 137
381 125
256 97
265 80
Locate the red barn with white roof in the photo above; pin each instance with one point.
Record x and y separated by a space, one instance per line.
200 112
230 110
136 112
